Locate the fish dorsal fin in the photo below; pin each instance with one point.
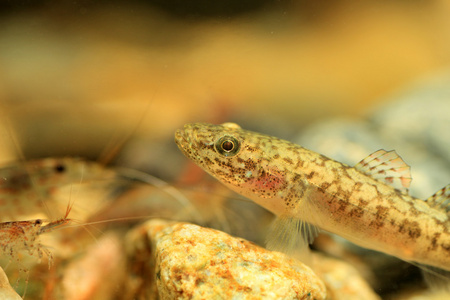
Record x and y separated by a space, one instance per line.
290 235
441 199
387 167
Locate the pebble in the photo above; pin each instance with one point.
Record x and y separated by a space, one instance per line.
193 262
97 274
6 291
342 280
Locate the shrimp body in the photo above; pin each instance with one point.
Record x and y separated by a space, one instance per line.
23 236
20 236
367 204
23 186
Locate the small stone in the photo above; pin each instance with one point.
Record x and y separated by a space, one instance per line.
342 280
98 274
6 291
193 262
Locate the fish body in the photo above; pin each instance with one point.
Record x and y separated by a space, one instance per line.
367 204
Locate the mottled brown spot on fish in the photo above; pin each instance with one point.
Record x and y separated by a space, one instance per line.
434 241
356 212
357 186
412 228
250 148
250 164
208 161
288 160
310 175
382 211
362 202
324 186
446 247
295 178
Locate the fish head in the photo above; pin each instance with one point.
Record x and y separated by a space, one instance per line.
243 160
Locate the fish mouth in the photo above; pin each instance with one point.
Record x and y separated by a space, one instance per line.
185 140
180 139
193 139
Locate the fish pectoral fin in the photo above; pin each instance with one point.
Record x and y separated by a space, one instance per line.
436 279
291 236
441 199
387 167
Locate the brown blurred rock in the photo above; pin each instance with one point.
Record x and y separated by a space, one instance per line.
98 274
342 280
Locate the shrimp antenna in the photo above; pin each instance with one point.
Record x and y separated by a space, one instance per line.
117 142
169 189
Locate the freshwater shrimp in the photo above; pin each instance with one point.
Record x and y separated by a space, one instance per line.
19 236
368 204
24 185
24 236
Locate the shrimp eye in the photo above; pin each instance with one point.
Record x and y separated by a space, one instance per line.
60 168
227 146
38 222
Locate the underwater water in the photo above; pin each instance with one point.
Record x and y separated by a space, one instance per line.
91 97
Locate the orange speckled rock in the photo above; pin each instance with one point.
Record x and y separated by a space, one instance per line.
193 262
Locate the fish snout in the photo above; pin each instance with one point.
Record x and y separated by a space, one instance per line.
186 139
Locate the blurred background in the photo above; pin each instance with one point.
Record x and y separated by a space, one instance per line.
77 77
111 81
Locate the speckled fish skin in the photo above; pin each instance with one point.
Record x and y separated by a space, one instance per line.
294 182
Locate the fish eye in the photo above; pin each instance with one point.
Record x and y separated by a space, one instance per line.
60 168
227 146
38 222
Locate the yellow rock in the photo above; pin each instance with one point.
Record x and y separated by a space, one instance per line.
6 291
200 263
